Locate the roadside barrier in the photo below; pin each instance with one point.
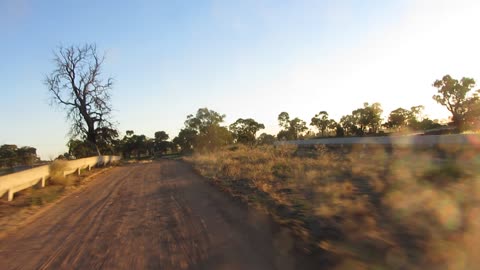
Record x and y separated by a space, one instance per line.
15 182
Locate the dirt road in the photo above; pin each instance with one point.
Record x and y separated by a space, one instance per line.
159 215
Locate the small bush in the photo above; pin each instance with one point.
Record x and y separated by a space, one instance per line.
444 174
282 170
56 173
233 148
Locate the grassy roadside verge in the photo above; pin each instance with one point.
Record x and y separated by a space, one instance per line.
29 202
400 209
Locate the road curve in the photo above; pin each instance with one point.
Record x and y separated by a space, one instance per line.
158 215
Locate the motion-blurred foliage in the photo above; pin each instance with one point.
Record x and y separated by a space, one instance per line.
371 208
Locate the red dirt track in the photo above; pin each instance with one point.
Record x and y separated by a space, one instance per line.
158 215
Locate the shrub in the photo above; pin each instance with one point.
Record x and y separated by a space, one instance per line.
56 173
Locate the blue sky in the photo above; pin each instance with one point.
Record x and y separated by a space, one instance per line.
248 58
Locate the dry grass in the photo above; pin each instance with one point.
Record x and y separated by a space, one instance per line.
26 203
56 174
401 209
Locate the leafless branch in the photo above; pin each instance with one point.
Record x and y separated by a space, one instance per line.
76 85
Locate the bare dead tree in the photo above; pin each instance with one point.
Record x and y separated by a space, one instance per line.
77 86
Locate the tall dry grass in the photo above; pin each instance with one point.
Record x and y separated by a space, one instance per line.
56 174
373 209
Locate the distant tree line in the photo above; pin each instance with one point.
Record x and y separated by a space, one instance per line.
130 146
205 130
11 156
77 86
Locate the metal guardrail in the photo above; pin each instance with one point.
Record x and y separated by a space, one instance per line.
15 182
426 140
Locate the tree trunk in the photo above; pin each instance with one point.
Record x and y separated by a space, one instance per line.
91 137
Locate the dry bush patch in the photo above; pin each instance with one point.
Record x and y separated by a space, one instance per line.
376 208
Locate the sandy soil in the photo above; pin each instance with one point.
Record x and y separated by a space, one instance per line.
159 215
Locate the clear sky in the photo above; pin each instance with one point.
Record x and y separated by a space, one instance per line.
249 58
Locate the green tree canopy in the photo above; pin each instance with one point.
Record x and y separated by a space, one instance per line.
399 118
8 155
292 128
363 120
107 140
245 130
136 145
161 144
332 125
372 116
349 125
161 136
203 132
185 140
284 120
203 119
459 100
265 138
80 148
321 121
11 155
213 138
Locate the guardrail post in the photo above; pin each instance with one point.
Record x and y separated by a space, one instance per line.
23 180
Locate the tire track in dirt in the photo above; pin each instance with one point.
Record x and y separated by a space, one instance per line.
159 215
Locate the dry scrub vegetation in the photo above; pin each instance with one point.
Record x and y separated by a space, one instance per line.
369 209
